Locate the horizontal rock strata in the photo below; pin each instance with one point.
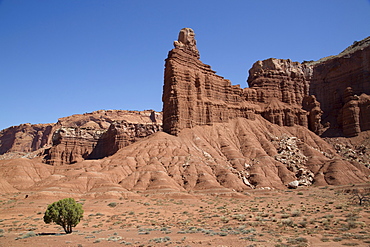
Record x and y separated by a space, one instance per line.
194 95
335 81
83 136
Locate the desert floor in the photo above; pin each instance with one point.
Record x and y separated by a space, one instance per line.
319 216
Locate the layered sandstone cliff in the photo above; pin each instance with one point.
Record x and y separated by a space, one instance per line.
78 137
342 86
193 94
330 96
25 138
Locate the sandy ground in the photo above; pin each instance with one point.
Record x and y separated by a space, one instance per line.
321 216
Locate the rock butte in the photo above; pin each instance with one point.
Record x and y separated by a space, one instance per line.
296 125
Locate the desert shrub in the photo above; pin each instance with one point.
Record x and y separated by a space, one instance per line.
160 240
329 216
360 196
224 219
296 213
239 217
222 234
287 222
27 235
337 239
351 224
66 213
302 224
112 204
285 216
296 240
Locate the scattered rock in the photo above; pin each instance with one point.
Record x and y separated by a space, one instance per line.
293 185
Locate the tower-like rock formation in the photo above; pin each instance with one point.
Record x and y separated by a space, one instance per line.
286 93
193 94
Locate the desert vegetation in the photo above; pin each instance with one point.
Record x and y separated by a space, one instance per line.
320 216
66 213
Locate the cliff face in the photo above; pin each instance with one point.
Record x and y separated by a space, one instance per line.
194 95
338 82
75 144
25 138
76 138
330 96
282 79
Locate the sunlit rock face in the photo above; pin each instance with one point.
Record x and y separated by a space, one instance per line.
193 94
286 93
78 137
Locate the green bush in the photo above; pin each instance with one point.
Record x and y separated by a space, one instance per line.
66 213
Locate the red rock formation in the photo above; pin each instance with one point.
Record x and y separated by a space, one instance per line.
349 117
331 76
90 141
25 138
280 90
364 104
194 95
279 78
75 144
281 86
78 137
312 106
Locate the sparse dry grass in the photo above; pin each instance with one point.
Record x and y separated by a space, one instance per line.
317 217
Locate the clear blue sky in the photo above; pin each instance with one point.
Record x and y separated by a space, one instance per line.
59 58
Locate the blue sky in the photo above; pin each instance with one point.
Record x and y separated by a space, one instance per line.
59 58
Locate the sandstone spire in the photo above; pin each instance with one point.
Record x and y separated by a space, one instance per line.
194 95
186 41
